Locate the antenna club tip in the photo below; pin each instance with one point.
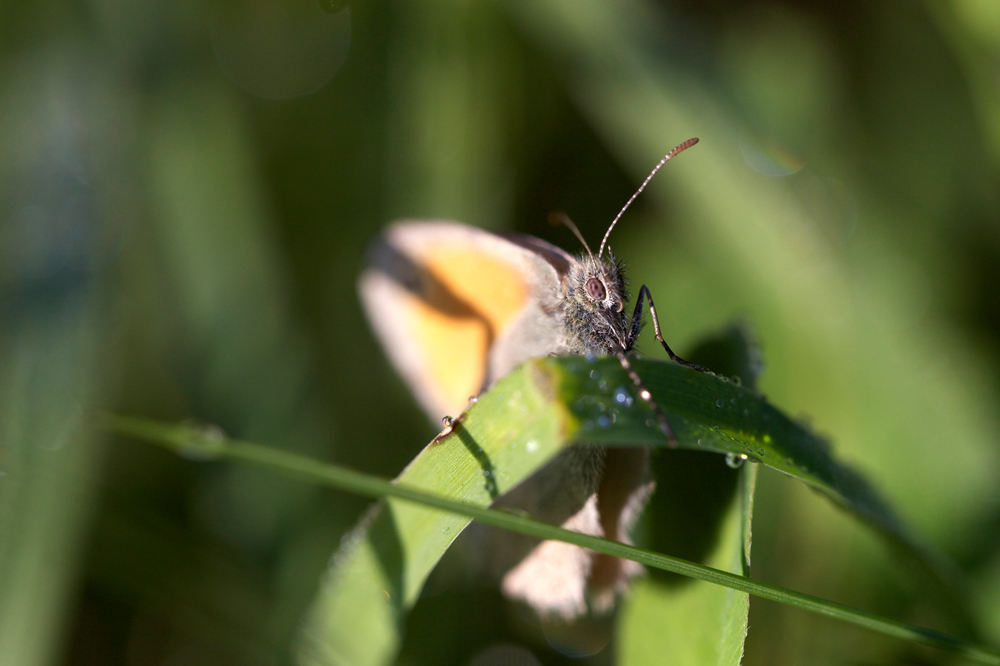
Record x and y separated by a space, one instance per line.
687 144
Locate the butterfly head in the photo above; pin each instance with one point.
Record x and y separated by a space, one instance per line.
597 292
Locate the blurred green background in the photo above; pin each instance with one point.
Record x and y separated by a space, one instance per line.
187 190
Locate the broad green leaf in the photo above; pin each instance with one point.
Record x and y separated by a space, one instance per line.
377 575
687 622
712 413
971 26
516 427
702 511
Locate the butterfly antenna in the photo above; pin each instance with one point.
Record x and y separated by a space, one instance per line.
557 218
684 146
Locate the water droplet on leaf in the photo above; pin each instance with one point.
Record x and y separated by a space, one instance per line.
735 460
622 396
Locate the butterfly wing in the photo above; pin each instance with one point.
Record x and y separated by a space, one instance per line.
457 307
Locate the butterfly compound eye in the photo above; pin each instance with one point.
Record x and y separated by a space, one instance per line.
596 290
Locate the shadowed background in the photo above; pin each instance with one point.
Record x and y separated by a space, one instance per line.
187 190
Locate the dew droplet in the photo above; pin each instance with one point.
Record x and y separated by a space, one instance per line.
473 400
531 446
594 374
735 460
214 434
646 395
720 403
736 380
448 421
622 396
204 441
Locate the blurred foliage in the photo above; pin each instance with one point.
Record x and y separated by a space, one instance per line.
187 190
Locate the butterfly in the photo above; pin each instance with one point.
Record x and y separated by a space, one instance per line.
456 308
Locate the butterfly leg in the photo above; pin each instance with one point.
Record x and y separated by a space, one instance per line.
644 393
637 322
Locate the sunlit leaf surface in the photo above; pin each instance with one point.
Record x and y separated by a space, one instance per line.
515 428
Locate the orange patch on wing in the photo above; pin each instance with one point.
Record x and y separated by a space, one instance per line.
472 299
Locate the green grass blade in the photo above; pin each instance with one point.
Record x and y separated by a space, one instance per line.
197 444
56 353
